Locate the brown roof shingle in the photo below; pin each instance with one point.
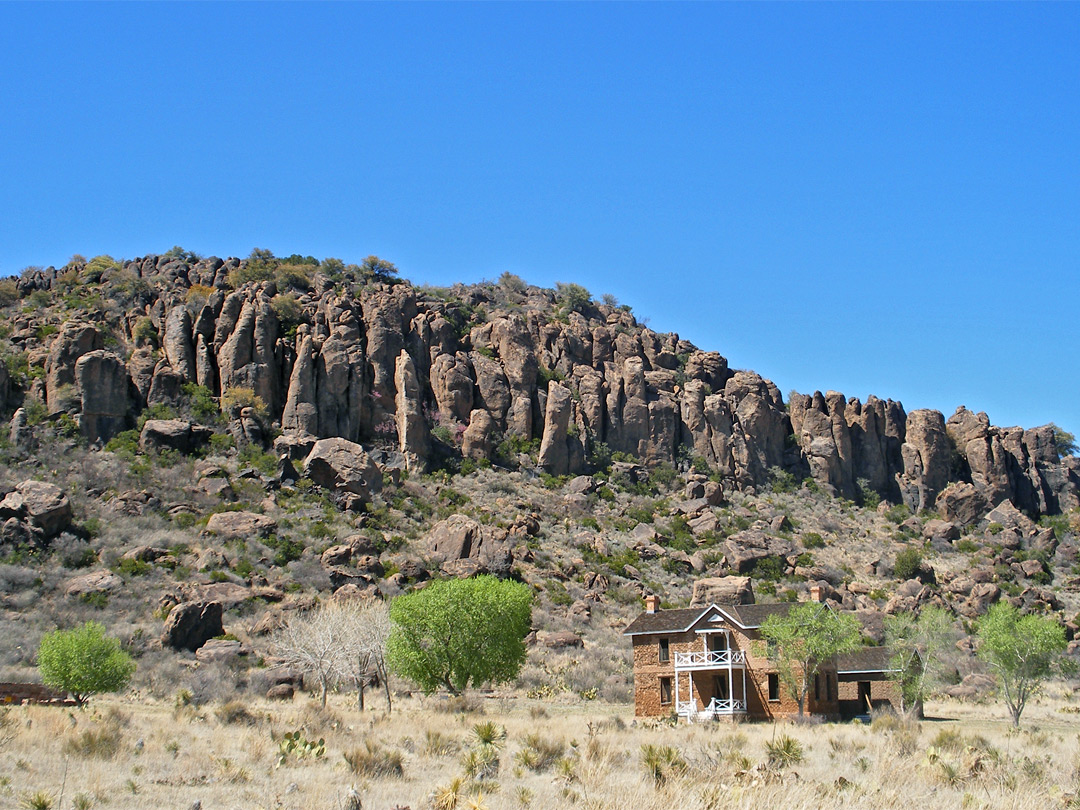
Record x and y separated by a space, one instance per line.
664 621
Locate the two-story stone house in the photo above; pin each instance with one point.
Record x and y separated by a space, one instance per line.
711 662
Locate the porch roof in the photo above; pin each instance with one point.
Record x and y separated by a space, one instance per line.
868 660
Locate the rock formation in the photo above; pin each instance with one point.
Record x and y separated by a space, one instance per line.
393 365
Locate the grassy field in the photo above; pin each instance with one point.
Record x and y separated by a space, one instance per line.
125 753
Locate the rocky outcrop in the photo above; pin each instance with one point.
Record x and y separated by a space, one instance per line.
72 342
173 434
927 455
381 363
412 430
101 379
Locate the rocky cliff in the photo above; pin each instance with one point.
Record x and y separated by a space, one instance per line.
321 351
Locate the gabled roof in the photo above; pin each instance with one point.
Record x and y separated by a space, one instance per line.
748 617
751 617
867 659
666 621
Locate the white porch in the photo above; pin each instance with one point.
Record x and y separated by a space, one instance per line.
710 684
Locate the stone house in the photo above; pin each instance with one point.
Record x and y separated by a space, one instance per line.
712 663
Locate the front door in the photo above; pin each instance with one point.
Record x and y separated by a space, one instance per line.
717 642
864 696
720 687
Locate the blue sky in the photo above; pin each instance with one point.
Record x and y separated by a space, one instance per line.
874 198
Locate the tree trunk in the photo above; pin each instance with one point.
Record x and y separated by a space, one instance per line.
360 693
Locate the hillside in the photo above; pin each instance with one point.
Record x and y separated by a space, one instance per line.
263 432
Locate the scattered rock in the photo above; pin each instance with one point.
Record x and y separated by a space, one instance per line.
229 525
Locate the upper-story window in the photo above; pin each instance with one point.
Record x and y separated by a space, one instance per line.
665 650
774 686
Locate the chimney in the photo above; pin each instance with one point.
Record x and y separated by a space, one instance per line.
651 603
816 594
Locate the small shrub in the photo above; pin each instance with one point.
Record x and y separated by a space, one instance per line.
538 754
813 540
375 761
437 744
101 742
235 713
907 563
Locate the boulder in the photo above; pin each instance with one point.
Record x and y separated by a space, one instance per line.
561 640
220 650
230 525
344 468
45 506
173 434
961 503
554 453
281 691
94 582
744 549
723 591
191 624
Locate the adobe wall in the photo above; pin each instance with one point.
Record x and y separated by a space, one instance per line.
882 691
17 693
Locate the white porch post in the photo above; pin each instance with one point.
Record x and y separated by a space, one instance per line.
746 701
676 692
730 684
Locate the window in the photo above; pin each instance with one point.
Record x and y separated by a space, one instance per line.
817 687
665 690
774 686
665 650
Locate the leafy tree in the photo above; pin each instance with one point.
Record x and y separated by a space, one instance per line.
804 639
375 269
917 644
1024 651
572 296
460 632
1064 441
84 662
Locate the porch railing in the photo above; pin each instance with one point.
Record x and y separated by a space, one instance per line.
716 707
709 658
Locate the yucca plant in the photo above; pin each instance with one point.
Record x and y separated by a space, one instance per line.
481 762
662 762
39 800
784 751
448 796
489 733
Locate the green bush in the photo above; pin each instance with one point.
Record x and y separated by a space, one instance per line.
907 563
813 540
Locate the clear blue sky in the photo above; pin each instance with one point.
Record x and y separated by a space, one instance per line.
873 198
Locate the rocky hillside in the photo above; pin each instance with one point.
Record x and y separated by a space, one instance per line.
262 432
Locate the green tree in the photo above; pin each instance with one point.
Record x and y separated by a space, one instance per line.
1023 651
917 644
810 635
572 296
460 632
375 269
84 662
1064 441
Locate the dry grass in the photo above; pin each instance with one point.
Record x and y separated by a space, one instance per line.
594 757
